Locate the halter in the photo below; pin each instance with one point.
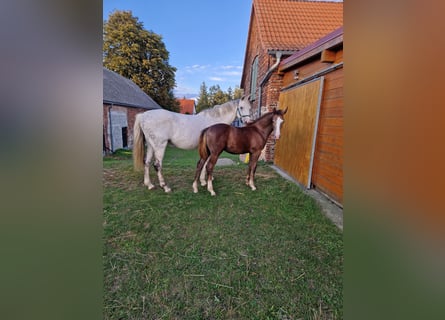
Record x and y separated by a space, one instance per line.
241 116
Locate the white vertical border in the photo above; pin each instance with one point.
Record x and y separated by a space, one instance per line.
314 138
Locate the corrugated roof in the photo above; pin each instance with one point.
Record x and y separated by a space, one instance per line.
122 91
293 25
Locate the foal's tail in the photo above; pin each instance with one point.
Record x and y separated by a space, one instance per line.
202 147
138 144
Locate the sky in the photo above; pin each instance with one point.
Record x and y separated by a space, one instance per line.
206 39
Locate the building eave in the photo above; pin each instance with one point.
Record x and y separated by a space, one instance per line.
330 41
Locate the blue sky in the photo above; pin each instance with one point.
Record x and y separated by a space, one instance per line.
206 39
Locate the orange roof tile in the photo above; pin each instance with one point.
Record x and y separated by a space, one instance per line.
186 106
292 25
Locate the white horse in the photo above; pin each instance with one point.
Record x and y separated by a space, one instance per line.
161 126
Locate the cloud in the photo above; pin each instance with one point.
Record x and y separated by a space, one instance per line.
185 91
196 68
190 77
223 73
231 67
232 73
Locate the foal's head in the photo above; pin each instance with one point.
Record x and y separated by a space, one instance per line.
278 120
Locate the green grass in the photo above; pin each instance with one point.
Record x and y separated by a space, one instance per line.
264 254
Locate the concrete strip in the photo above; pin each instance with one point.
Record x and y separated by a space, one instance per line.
329 208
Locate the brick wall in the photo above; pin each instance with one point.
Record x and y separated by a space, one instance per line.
130 118
271 90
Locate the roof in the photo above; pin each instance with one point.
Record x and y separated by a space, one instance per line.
289 25
293 25
122 91
187 106
333 39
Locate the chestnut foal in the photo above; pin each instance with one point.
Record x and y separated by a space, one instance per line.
249 139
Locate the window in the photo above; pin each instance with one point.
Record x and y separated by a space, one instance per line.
254 79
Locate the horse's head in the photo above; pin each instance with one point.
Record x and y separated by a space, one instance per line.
243 111
278 120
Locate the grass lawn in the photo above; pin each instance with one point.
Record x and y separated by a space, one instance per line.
264 254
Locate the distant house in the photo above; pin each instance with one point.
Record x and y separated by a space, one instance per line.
277 30
187 106
122 100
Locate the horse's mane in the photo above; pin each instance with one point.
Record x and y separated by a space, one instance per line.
219 109
263 117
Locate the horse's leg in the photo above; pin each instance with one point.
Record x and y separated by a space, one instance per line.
148 158
159 155
202 177
200 167
252 168
210 165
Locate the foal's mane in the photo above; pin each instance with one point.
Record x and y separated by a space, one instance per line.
219 110
264 118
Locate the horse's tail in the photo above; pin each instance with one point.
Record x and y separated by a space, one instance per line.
202 146
138 144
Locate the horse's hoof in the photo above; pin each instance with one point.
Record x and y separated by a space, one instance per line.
195 187
212 193
167 189
150 187
203 184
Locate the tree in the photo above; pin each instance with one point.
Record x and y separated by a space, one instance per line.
217 96
139 55
214 95
203 98
230 93
238 93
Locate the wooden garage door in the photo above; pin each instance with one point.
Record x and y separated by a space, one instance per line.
294 151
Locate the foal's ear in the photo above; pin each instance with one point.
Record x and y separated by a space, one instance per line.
284 111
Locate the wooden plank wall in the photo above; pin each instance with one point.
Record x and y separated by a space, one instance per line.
294 148
327 173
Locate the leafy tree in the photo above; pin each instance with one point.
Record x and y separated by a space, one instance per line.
238 93
217 96
139 55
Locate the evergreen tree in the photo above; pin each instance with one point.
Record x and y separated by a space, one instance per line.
230 93
214 96
139 55
203 98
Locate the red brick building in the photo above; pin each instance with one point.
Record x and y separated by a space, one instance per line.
187 106
278 29
122 100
